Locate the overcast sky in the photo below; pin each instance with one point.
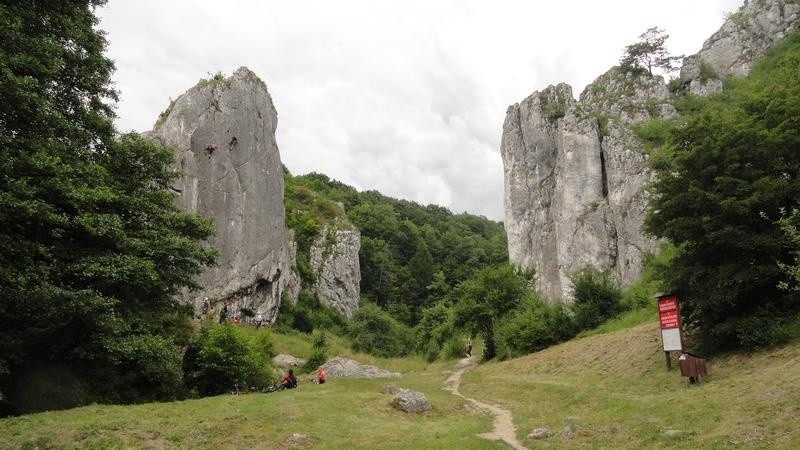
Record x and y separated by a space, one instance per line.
404 97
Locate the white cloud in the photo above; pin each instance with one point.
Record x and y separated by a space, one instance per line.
407 98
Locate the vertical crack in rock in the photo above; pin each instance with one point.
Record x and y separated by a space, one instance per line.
603 170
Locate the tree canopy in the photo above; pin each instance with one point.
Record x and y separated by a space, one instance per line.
728 171
650 53
92 247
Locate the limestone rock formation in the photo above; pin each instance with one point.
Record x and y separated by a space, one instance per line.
732 50
334 259
575 176
223 133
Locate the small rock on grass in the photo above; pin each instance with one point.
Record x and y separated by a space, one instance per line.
540 433
296 440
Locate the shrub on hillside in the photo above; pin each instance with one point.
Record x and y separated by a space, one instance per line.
433 330
596 297
309 314
220 357
640 293
534 325
319 351
375 332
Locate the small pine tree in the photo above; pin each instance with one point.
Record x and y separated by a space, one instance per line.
649 53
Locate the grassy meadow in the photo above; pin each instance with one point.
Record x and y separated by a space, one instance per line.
610 386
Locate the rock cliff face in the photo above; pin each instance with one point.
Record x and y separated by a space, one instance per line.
334 259
745 35
574 178
575 174
223 133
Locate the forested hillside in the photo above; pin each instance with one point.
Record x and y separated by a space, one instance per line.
411 255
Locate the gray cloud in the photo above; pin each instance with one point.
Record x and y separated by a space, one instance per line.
407 98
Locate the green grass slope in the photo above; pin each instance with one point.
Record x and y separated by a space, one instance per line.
615 389
612 387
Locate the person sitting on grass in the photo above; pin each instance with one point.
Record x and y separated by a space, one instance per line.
289 381
320 379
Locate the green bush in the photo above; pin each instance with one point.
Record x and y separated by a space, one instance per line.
143 368
640 294
220 357
534 325
309 314
597 297
263 344
433 330
375 332
454 348
319 352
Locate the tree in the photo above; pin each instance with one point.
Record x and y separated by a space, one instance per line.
649 53
727 171
92 247
486 299
597 297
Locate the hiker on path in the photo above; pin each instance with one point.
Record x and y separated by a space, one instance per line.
469 348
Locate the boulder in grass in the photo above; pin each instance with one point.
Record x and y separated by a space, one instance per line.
411 401
343 367
288 361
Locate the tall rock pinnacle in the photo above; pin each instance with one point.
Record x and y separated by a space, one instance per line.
223 134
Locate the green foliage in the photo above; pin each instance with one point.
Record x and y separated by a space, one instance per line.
404 245
486 299
434 329
640 293
602 126
728 170
596 297
649 53
213 80
533 326
375 332
707 72
553 110
93 249
319 352
674 86
654 134
308 314
222 357
263 343
454 347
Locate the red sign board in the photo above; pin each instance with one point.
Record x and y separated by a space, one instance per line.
670 318
668 313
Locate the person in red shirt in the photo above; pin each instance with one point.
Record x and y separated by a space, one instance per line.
320 375
289 381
